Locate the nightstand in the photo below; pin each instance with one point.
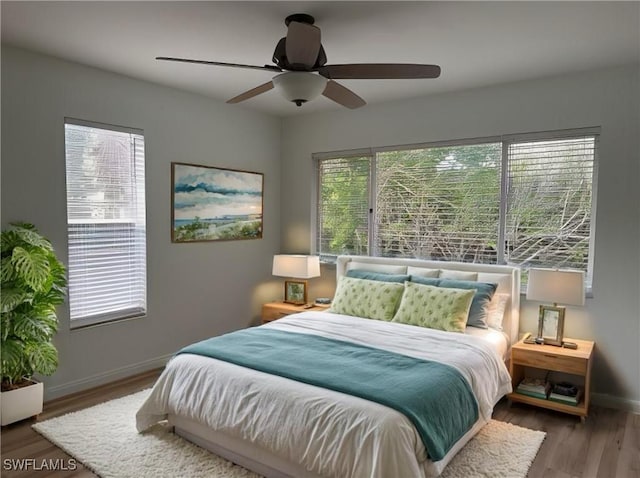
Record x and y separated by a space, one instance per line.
277 310
556 359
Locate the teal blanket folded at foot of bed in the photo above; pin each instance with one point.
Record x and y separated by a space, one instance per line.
435 397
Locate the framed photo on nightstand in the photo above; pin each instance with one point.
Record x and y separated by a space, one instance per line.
295 292
551 324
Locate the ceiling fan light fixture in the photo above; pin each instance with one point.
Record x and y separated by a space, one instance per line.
300 86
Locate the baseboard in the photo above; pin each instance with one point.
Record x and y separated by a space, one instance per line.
74 386
609 401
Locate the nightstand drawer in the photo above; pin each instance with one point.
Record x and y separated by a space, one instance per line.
550 361
269 314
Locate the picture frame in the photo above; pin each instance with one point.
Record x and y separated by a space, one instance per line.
551 324
295 292
215 204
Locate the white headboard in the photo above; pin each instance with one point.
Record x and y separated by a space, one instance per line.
507 278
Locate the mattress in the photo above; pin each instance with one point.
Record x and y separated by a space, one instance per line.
329 433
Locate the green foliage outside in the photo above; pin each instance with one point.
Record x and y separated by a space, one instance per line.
33 284
443 203
439 203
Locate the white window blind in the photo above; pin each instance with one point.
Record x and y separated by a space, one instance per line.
343 207
106 222
441 203
549 203
523 200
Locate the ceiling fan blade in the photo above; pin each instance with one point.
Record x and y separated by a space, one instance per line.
342 95
217 63
303 44
379 71
258 90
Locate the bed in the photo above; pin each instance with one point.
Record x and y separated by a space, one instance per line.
280 425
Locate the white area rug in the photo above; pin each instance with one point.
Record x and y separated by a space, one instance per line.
104 439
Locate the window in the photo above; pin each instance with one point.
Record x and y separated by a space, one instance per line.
106 222
524 200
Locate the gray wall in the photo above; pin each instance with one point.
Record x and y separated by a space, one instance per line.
199 290
194 290
608 98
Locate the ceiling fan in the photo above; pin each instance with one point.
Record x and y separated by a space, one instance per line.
300 60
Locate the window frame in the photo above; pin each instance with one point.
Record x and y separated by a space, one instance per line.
506 140
131 311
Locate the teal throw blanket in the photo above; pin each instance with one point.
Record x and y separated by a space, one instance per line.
435 397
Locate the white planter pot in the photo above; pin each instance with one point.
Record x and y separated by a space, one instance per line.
21 403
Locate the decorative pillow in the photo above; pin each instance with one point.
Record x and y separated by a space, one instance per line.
458 275
423 272
483 293
495 311
425 280
366 298
379 276
386 268
434 307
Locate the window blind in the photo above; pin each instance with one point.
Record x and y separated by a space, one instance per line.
439 203
549 201
343 207
106 223
523 199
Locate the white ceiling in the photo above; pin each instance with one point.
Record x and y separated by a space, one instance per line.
475 43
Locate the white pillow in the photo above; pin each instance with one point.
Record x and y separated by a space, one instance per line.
458 275
385 268
496 309
423 272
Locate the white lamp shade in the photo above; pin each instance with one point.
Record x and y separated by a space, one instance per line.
557 286
300 86
296 266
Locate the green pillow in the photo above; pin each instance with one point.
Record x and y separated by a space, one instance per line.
379 276
480 304
366 298
434 307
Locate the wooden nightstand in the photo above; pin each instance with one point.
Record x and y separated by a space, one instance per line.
277 310
557 359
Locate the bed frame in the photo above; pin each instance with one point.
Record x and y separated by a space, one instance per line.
269 465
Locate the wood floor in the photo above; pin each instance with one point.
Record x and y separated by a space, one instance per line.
607 446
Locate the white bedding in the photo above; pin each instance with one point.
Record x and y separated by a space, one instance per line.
331 433
495 338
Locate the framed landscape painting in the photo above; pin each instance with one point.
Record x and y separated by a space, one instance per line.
215 204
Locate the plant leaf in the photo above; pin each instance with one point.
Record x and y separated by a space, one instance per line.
7 272
12 360
29 327
5 326
43 357
31 266
28 234
12 298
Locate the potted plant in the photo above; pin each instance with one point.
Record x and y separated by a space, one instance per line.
33 284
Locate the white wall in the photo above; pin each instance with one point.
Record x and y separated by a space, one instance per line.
194 290
608 98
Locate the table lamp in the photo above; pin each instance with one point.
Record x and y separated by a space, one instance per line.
559 287
296 266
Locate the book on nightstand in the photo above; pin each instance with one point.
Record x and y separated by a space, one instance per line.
534 387
556 397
